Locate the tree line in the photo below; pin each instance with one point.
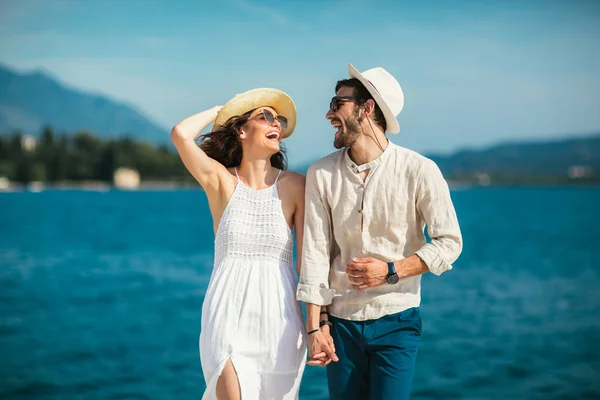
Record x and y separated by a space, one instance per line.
82 156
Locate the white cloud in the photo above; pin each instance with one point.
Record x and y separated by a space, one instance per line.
261 10
155 42
21 43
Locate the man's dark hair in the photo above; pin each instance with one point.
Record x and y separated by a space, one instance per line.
362 95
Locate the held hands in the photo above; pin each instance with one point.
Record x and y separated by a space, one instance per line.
366 272
321 350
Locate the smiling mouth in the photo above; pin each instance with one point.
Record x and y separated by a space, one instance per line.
273 136
337 126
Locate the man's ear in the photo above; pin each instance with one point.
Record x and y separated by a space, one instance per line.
370 107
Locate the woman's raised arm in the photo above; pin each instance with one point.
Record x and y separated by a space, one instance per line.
201 166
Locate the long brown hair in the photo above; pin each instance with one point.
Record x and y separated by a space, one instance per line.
224 145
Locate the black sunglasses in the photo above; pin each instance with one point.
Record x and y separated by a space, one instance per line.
270 118
338 101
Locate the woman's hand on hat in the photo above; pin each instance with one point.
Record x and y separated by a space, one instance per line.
216 110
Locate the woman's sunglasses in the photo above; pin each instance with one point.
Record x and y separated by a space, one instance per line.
268 116
338 101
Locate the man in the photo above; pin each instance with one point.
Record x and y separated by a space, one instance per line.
364 246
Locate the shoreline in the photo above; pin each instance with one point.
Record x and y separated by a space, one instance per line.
98 186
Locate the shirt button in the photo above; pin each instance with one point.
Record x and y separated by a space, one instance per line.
359 211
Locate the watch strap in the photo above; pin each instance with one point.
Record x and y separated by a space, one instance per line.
391 268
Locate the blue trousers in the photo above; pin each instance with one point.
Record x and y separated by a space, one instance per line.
376 357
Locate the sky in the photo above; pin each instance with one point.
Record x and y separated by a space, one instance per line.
473 73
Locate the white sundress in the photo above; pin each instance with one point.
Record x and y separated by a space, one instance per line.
250 313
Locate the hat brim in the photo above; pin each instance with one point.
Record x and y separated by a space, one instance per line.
255 98
390 119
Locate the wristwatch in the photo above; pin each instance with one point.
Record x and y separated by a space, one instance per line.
392 277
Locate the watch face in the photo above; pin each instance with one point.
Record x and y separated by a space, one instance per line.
393 279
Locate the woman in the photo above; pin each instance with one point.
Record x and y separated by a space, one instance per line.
252 341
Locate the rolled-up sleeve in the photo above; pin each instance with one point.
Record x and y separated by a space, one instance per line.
435 205
313 285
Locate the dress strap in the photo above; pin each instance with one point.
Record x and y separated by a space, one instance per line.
236 174
275 183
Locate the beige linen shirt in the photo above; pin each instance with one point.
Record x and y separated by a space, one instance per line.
383 217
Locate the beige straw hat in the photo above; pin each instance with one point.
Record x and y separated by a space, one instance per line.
255 98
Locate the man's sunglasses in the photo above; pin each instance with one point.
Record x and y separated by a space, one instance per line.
266 115
338 101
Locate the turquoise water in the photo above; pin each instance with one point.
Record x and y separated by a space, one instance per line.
101 292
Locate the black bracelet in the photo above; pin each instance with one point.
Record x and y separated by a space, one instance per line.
324 322
313 331
324 312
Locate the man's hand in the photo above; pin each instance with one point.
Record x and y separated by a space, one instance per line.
321 350
366 272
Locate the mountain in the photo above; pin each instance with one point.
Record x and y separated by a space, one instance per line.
560 161
29 101
534 159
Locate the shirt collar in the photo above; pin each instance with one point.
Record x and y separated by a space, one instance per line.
370 165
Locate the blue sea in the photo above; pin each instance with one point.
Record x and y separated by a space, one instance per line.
101 294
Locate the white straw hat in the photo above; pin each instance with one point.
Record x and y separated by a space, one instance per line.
386 92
